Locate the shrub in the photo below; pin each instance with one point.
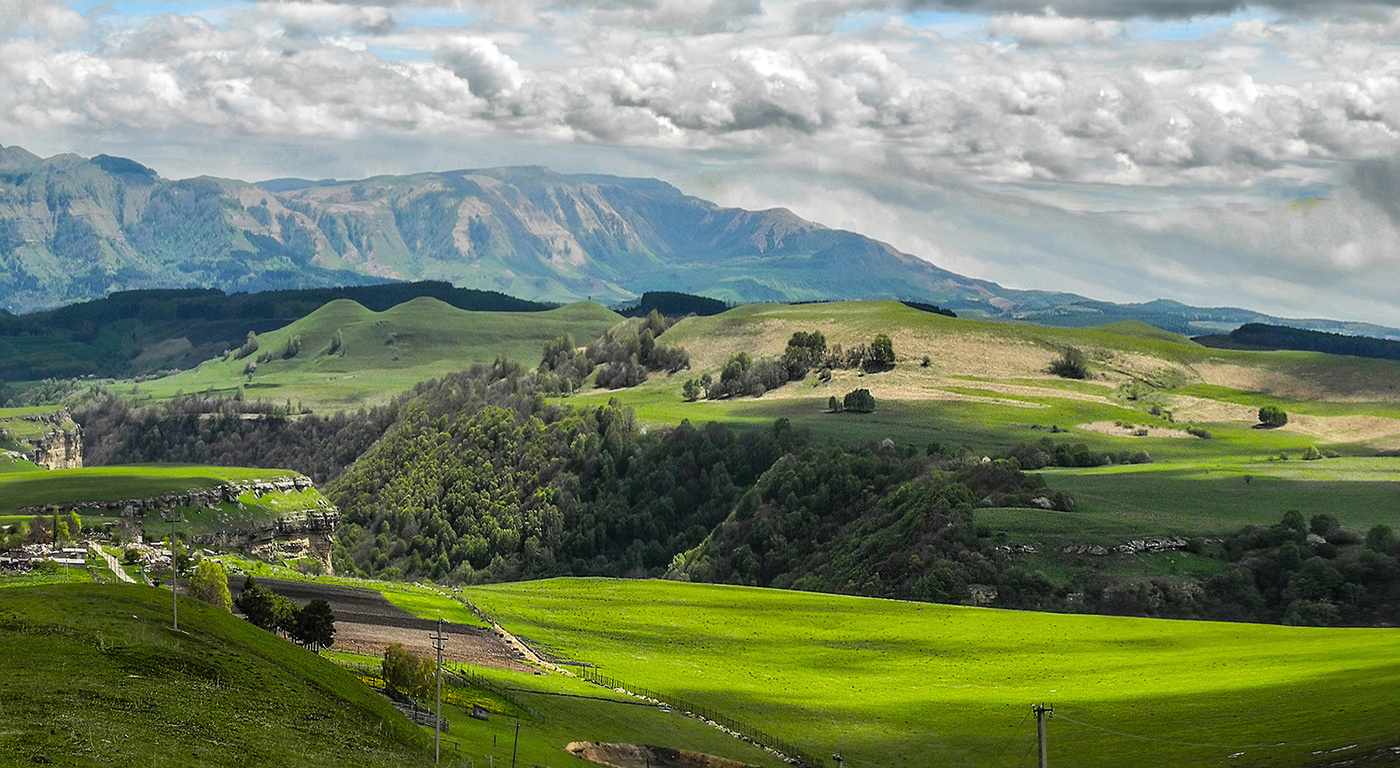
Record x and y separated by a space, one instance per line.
1272 416
250 346
1198 432
859 401
833 405
880 356
1070 365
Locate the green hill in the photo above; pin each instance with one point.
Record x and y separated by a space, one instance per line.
94 676
380 354
889 683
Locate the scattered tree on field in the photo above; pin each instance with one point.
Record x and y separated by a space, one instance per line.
1070 365
1272 416
250 346
315 625
833 405
406 673
859 401
210 584
881 356
691 390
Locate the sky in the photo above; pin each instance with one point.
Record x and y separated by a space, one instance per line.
1215 152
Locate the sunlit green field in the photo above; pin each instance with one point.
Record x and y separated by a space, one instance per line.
381 353
893 683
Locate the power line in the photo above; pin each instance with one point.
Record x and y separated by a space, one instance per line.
1012 740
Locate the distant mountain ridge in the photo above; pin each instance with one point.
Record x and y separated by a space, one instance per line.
73 229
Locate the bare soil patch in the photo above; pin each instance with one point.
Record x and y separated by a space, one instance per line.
366 622
641 756
1116 430
1344 429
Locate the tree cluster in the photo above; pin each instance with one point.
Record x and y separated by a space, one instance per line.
628 351
312 625
1047 453
743 376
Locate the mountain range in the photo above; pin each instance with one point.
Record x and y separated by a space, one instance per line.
74 228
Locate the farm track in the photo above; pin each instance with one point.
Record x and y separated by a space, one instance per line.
366 622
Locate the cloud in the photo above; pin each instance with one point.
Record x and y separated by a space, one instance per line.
488 72
1051 29
300 18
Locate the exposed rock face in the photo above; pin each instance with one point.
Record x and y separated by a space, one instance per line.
62 446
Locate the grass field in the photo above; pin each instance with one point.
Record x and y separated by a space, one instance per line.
381 353
890 683
219 693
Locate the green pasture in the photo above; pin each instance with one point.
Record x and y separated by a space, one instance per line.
12 463
1216 498
990 427
890 683
382 353
89 484
563 710
93 676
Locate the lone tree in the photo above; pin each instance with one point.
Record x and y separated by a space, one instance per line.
1070 365
881 356
210 584
1272 416
859 401
406 673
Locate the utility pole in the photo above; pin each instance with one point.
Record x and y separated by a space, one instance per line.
516 749
174 571
437 727
1041 713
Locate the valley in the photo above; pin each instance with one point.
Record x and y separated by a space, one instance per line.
887 585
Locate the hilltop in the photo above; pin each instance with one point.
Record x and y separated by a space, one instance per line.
347 356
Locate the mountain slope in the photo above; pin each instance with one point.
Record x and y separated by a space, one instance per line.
73 229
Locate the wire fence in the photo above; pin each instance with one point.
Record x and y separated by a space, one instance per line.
459 675
746 731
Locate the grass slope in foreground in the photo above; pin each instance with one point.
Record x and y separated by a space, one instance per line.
890 683
380 354
94 676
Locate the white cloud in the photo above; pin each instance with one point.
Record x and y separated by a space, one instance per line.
1051 29
1204 133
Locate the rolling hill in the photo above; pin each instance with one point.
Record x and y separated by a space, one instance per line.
379 354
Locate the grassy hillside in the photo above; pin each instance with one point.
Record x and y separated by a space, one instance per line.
890 683
380 353
986 388
220 693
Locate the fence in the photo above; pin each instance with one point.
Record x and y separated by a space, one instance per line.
460 675
756 736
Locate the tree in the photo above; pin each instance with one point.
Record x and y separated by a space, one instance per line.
859 401
833 405
881 355
75 524
250 346
406 673
1380 539
315 626
1070 365
691 390
210 584
1272 416
257 603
